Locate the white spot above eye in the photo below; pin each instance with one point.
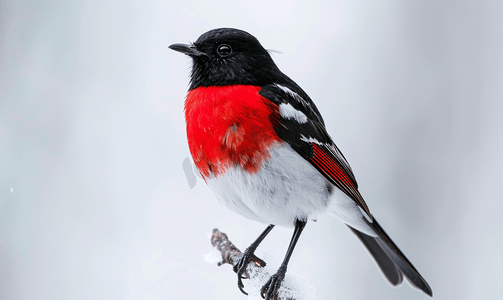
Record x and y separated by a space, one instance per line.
288 112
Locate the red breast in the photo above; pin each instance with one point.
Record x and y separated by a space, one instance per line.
229 126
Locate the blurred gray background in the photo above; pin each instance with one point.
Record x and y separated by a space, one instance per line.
94 203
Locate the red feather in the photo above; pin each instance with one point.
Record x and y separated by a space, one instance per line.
327 164
329 167
228 126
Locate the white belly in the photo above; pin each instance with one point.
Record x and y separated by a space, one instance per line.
286 188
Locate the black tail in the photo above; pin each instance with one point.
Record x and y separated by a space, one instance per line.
390 259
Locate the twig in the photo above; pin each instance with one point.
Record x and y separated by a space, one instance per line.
231 255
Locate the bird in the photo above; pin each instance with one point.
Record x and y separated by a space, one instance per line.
262 147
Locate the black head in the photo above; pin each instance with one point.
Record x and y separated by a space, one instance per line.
228 56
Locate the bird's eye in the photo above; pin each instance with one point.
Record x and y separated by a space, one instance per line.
224 50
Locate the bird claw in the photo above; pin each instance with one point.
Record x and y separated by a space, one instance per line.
240 267
241 286
270 290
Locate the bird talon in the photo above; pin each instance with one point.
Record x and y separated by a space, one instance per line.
270 290
240 267
241 286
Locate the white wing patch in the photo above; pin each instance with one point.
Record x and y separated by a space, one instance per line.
292 93
310 140
288 112
288 91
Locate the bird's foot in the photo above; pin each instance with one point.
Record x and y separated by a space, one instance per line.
240 267
270 290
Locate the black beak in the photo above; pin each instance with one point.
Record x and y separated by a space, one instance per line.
187 49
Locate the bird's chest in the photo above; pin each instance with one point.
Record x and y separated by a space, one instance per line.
231 126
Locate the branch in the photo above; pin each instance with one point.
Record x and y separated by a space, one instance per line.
291 288
230 253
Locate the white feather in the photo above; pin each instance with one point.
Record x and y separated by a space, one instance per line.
288 112
288 91
310 140
286 188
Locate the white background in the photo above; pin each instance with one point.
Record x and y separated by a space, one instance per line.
94 203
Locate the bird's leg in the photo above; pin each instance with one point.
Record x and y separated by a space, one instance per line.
270 290
248 256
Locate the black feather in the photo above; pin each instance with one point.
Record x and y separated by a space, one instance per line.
390 259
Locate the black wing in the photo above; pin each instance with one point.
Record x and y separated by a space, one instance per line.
301 126
299 123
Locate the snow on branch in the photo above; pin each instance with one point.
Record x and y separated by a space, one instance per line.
294 287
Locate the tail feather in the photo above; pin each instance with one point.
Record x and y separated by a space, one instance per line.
390 259
385 263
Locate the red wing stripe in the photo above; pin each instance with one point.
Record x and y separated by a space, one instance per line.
329 166
323 166
334 169
326 164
